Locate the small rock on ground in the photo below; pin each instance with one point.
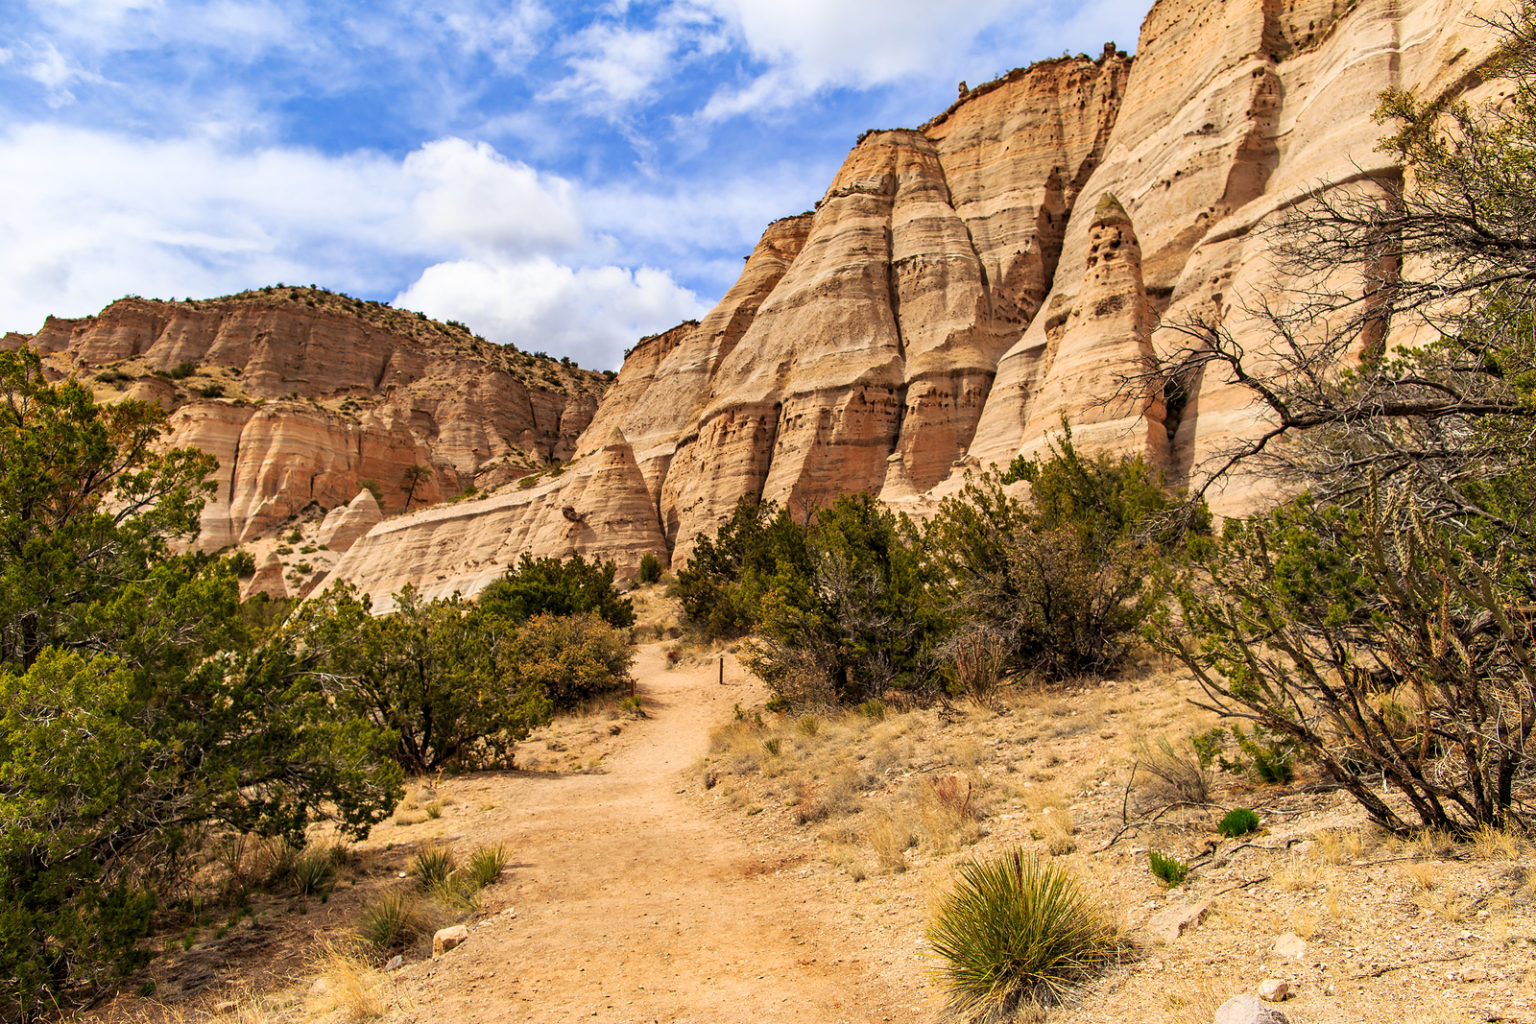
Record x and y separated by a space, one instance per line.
395 963
1292 945
1274 990
1248 1010
448 938
1169 924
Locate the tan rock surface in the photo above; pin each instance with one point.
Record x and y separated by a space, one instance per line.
303 395
964 286
959 290
344 524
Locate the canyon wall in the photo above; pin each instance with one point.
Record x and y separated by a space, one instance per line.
305 396
964 288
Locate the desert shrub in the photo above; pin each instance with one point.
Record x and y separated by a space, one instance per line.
569 658
1238 822
1016 932
1170 870
978 657
140 708
392 921
486 865
553 586
863 618
650 568
313 871
242 564
1058 578
1183 778
432 673
213 390
433 865
726 581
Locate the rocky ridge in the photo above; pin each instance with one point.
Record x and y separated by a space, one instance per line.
310 399
964 287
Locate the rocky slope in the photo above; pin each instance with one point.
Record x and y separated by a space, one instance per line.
964 287
308 398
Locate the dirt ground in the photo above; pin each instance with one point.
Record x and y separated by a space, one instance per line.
714 863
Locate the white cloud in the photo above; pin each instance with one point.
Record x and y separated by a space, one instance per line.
473 196
808 45
91 216
592 313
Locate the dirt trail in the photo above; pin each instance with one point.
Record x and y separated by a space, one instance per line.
633 904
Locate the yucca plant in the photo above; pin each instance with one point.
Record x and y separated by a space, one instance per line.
1016 931
433 865
312 872
486 864
390 922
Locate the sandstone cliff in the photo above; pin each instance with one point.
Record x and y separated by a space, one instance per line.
964 287
306 396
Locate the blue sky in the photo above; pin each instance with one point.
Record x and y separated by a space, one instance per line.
566 177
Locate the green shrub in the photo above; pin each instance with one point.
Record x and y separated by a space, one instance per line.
650 569
214 390
486 865
558 587
1239 822
433 865
1016 932
861 617
569 658
1058 578
1169 869
391 922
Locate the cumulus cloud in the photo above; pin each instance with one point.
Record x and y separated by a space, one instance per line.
471 195
91 216
593 313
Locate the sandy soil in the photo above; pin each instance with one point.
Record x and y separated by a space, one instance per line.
630 901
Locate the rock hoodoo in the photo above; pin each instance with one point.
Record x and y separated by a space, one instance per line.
964 286
960 290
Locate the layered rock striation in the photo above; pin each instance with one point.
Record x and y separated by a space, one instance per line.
964 288
307 397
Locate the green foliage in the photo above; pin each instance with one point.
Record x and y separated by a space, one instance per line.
433 865
391 922
570 658
313 872
858 618
1014 933
1057 579
558 587
242 564
434 674
212 390
486 865
374 488
1169 869
650 568
140 708
726 581
1238 822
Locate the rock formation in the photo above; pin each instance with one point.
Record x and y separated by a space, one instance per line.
965 286
305 395
961 289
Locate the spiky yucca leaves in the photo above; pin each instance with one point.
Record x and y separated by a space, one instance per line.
486 864
1016 931
433 865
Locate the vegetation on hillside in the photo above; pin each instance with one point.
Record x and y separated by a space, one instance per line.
146 713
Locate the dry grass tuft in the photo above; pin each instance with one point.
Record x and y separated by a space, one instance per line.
354 989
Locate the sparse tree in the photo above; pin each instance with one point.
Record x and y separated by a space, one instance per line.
414 476
1382 621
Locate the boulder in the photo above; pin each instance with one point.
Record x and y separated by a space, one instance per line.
449 938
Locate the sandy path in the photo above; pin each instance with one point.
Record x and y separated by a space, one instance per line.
633 904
